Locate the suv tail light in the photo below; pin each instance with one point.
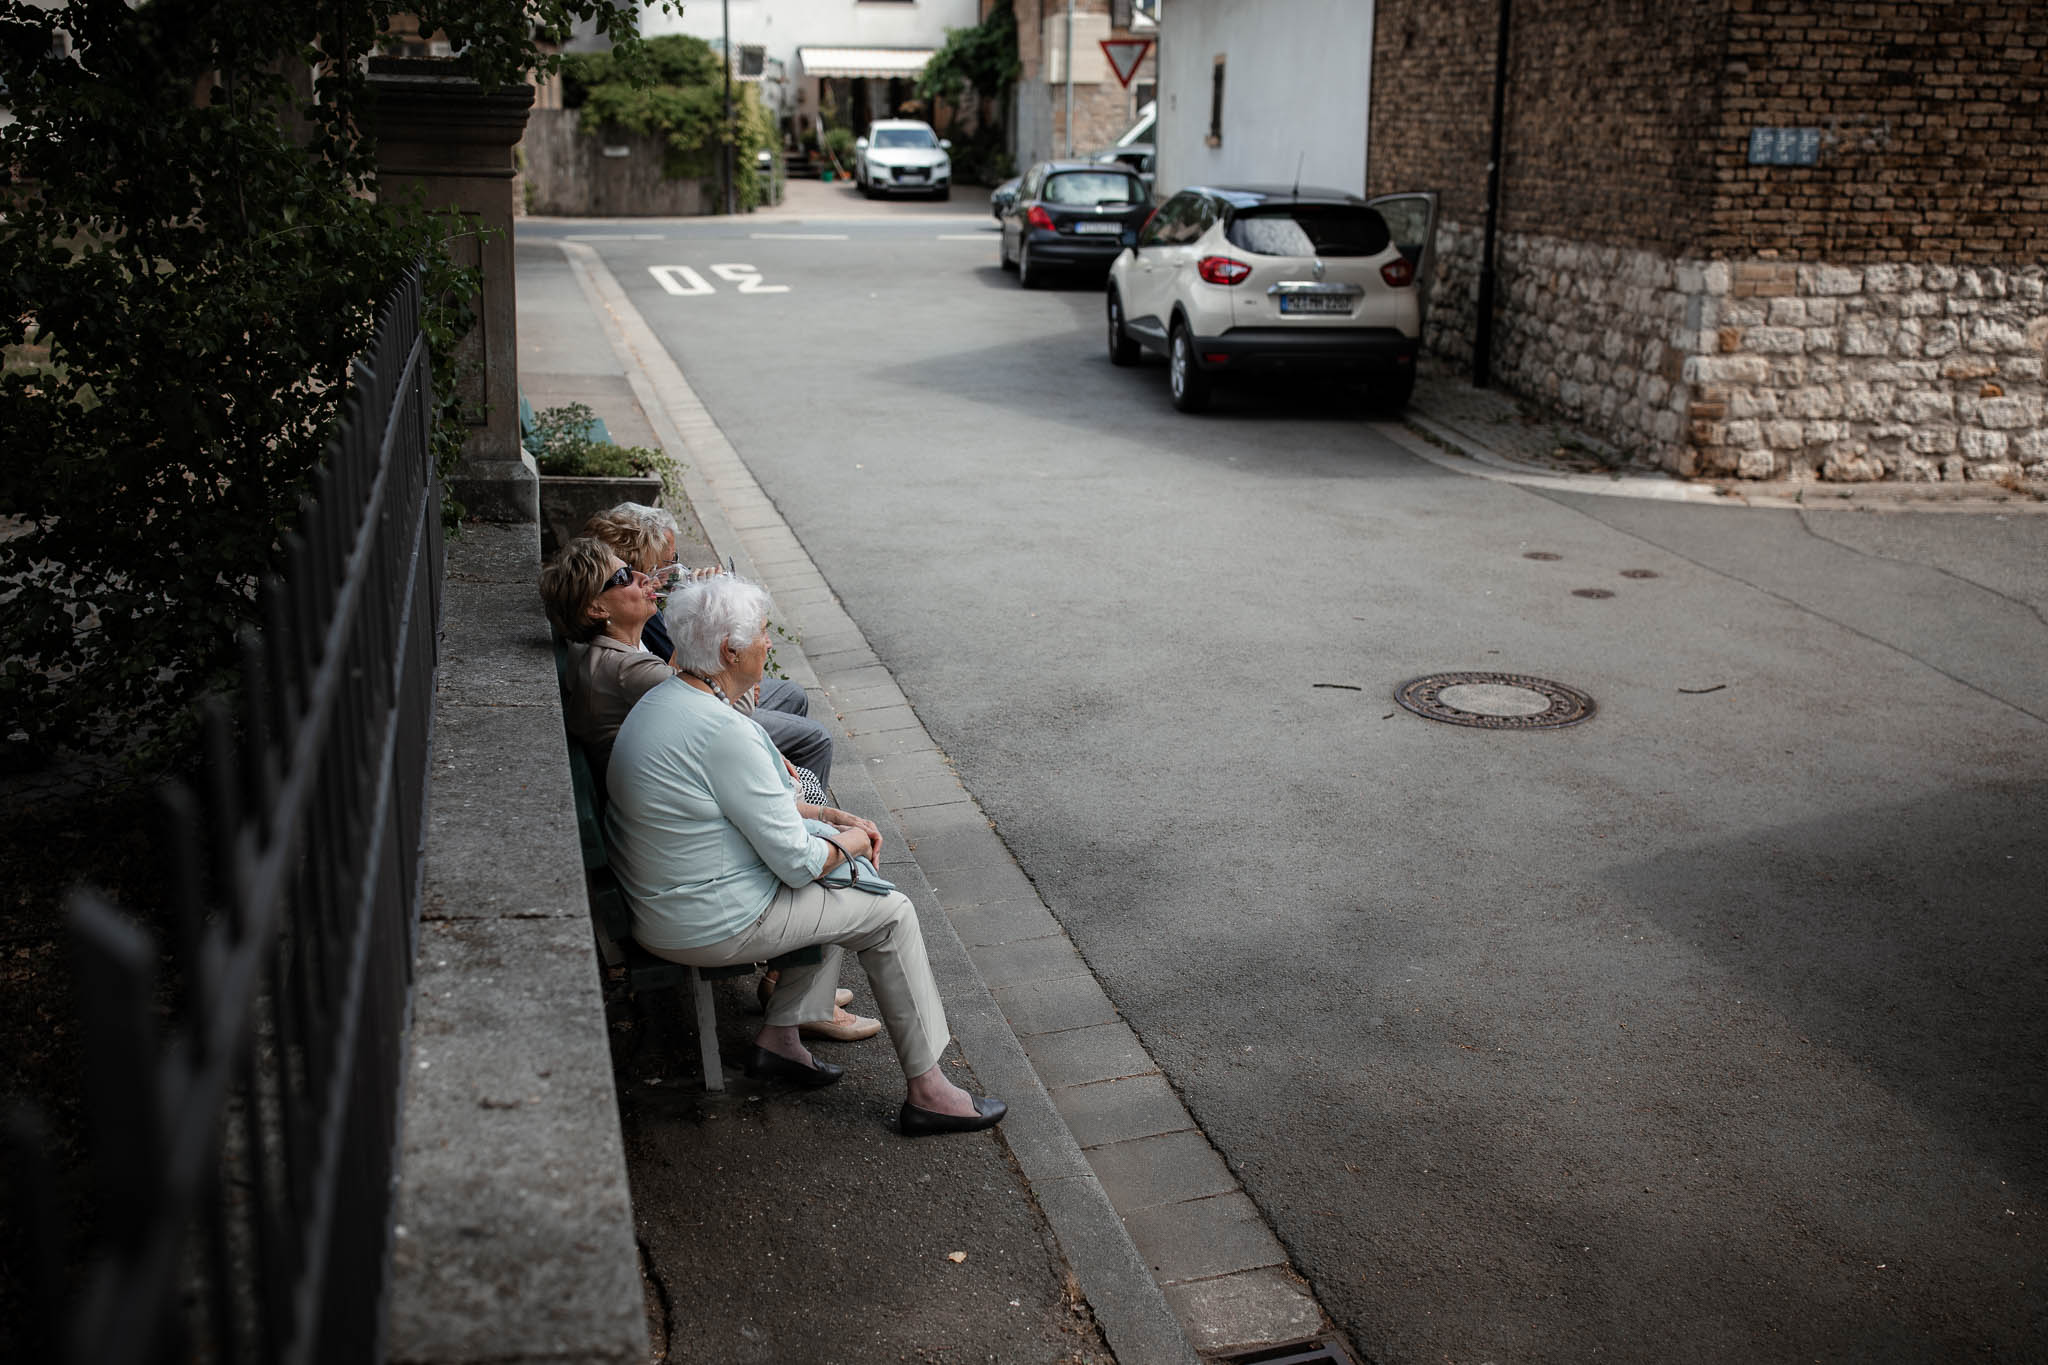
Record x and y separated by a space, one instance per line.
1400 274
1039 218
1222 270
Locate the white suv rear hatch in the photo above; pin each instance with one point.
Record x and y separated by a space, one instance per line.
1319 265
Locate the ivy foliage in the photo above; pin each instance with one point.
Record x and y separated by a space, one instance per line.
981 62
673 88
982 58
193 250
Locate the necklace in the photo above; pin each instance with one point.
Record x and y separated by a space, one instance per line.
716 690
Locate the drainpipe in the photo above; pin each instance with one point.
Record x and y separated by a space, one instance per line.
1482 335
1070 80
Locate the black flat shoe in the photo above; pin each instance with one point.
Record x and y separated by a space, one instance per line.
773 1066
916 1122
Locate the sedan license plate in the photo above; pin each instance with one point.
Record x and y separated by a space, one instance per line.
1315 303
910 175
1101 229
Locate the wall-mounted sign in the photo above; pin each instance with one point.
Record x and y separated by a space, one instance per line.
1784 146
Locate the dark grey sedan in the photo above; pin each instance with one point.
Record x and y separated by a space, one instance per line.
1071 216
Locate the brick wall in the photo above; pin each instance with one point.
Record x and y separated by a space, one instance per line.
1878 315
1934 123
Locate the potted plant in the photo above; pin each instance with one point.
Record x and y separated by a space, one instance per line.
582 471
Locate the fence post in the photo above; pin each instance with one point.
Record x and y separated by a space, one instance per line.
441 131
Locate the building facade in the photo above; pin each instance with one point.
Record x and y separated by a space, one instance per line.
791 46
1103 106
1792 240
1269 92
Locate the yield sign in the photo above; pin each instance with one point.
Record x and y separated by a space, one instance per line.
1124 55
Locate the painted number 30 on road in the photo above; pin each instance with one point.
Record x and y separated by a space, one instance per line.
683 281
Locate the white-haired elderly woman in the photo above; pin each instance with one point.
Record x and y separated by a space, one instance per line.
720 867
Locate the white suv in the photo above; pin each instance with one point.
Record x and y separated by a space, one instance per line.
1255 279
903 156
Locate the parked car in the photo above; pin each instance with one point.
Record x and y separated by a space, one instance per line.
1246 280
1133 147
1071 215
902 156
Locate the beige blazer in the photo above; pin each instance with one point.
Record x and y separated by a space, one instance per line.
603 680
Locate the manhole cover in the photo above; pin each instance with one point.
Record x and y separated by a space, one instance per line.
1638 573
1494 701
1541 554
1592 592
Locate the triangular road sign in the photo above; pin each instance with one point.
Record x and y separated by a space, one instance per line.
1124 55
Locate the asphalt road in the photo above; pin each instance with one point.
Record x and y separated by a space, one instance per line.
1711 1029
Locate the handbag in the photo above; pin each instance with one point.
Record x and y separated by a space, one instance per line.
853 873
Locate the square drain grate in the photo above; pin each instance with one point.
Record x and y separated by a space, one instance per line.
1322 1351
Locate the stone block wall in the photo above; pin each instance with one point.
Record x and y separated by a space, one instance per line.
1878 315
1853 373
1766 368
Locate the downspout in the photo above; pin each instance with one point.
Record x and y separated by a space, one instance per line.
1482 334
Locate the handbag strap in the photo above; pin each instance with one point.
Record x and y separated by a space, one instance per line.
852 863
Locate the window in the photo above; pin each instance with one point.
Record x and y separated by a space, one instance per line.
1216 104
904 137
1088 188
1310 230
1162 229
753 61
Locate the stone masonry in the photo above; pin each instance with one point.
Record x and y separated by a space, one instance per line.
1878 315
1763 369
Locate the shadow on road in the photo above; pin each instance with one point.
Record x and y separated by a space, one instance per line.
1911 937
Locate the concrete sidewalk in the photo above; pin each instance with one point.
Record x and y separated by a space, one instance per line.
796 1227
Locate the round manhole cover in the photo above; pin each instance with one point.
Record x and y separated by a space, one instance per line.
1494 701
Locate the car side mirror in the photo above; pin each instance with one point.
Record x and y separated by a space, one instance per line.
946 144
860 144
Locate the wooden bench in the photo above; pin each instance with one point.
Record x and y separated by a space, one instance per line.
612 919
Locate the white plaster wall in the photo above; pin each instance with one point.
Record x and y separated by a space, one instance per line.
1297 84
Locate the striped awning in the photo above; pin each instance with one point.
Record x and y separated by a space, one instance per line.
863 61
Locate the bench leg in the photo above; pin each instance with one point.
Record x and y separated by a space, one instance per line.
707 1031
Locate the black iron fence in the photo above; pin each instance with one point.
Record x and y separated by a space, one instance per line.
243 1149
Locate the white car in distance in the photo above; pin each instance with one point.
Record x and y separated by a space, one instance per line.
902 156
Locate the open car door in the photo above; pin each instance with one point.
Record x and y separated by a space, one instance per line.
1411 217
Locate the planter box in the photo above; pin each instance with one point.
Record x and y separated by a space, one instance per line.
566 503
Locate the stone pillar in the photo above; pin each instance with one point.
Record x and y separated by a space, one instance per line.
441 131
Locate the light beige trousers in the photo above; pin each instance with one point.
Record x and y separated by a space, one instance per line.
881 930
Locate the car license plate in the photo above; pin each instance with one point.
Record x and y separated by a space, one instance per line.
1315 303
1099 229
910 175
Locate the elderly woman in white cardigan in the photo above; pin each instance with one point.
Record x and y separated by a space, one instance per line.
719 867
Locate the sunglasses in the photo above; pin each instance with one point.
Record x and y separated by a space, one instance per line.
623 576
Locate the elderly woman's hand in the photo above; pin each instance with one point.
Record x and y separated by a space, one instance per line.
847 820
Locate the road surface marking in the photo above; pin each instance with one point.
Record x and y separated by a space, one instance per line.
680 279
748 279
798 236
617 237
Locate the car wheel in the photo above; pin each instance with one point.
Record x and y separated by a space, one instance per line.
1122 350
943 194
1026 276
1184 378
